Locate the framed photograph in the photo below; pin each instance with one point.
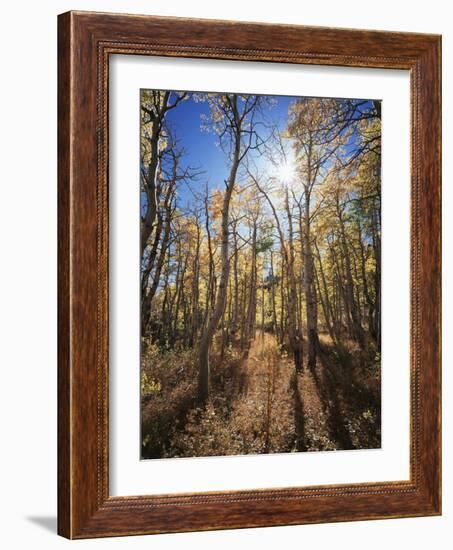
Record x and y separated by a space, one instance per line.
249 275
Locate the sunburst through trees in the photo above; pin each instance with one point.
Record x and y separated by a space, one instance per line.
260 274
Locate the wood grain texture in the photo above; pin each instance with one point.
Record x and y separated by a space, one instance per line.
85 42
64 369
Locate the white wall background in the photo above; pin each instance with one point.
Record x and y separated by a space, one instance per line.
28 336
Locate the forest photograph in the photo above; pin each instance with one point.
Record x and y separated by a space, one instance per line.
260 244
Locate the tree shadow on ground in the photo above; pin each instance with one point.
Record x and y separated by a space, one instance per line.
299 415
347 400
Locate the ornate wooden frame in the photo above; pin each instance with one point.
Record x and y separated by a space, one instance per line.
85 41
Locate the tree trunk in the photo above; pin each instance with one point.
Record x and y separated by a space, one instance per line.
235 319
294 329
151 178
147 299
273 305
206 339
251 310
349 286
195 289
310 292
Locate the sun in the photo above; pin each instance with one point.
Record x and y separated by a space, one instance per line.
286 171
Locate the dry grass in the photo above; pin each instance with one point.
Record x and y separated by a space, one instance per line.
258 404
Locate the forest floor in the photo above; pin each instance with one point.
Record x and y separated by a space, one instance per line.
259 404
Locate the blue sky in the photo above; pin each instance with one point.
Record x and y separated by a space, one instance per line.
201 149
